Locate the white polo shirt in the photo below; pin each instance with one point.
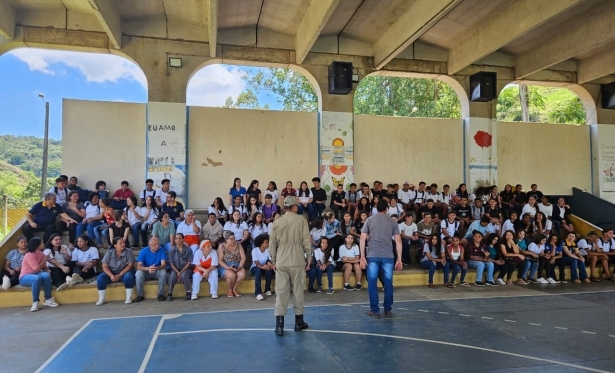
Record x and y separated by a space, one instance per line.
406 197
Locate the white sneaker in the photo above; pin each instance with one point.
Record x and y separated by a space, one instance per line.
6 283
62 287
213 296
542 281
260 297
128 301
77 278
195 297
268 293
70 281
50 303
100 302
551 281
501 282
34 307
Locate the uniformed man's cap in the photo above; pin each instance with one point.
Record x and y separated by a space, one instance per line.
290 201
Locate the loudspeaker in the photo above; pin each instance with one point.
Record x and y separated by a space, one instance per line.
340 78
608 95
483 86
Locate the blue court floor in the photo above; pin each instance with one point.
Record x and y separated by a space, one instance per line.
566 333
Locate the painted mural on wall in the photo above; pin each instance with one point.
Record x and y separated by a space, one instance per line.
166 146
482 165
336 150
607 171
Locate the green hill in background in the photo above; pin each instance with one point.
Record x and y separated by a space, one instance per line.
26 153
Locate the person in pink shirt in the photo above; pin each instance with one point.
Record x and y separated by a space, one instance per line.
35 274
120 196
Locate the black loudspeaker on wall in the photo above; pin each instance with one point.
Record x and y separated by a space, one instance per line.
340 78
483 86
608 96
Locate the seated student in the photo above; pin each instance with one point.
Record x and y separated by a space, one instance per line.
554 245
59 189
256 228
358 225
319 197
269 208
449 228
447 200
338 201
390 192
236 191
362 206
492 247
525 224
108 213
317 231
254 191
425 228
261 266
460 192
506 201
352 198
13 263
180 259
530 207
333 233
212 230
205 263
493 194
494 211
573 258
272 190
173 208
511 253
133 217
149 212
43 217
231 260
509 225
58 261
117 265
482 226
118 201
477 258
436 197
190 228
541 224
239 229
218 209
420 198
276 216
396 209
434 258
606 244
430 207
101 189
76 210
478 210
406 195
252 208
532 258
546 260
149 191
348 262
534 192
374 209
94 216
409 236
72 185
323 262
161 197
346 224
120 227
287 191
34 274
464 213
164 231
84 258
537 248
238 206
455 260
559 217
304 194
545 206
151 265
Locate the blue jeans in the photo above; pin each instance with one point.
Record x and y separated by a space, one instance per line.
145 227
80 228
136 230
258 273
128 279
309 208
36 281
93 232
480 268
317 210
525 266
376 266
456 268
577 268
315 273
432 266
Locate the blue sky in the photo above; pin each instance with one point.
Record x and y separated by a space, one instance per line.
24 73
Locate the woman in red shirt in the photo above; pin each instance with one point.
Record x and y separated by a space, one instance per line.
35 274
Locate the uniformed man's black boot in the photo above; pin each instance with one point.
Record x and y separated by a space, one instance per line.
299 323
279 326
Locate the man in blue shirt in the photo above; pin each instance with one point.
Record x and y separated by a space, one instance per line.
43 217
151 265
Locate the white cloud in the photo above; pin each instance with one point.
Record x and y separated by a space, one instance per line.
212 85
98 68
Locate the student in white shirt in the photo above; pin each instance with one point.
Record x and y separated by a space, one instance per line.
218 208
257 228
323 262
276 216
396 209
406 195
239 228
541 224
237 206
349 257
546 207
134 219
261 266
449 227
304 194
409 236
509 225
148 191
149 212
530 207
85 258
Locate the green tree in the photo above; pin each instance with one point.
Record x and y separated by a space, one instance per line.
546 105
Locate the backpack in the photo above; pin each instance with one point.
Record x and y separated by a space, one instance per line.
456 224
143 192
88 203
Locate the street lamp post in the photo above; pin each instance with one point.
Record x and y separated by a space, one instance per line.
45 147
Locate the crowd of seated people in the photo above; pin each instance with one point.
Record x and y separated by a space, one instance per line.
493 232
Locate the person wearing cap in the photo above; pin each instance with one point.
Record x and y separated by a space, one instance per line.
390 193
205 263
43 217
190 228
180 259
289 246
406 195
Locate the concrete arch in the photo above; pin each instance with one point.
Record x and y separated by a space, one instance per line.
591 117
297 68
449 80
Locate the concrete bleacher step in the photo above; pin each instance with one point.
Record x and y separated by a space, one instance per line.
86 292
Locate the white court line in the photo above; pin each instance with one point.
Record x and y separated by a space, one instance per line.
405 309
152 343
487 318
560 328
407 339
510 320
443 313
531 323
461 314
63 347
612 336
423 311
588 332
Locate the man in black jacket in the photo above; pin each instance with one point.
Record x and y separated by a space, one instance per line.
560 217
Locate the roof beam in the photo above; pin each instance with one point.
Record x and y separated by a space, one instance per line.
314 20
109 17
591 31
596 66
7 20
212 25
417 20
513 22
